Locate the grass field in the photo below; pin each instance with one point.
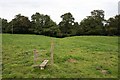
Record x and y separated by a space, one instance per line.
74 57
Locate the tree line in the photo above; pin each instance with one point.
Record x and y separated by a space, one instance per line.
41 24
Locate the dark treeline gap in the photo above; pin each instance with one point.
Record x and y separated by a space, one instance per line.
41 24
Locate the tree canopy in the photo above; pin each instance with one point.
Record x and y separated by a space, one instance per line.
68 25
20 24
94 24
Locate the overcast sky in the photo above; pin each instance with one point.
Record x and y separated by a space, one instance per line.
55 8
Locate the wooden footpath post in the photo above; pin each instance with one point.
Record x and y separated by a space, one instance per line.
51 51
35 56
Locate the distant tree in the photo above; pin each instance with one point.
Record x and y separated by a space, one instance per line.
112 26
98 14
37 23
86 26
80 30
75 28
50 28
93 25
43 24
67 25
4 24
20 24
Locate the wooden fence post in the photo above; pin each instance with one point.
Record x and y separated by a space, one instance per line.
52 48
35 56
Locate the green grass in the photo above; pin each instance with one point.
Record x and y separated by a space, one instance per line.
74 57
